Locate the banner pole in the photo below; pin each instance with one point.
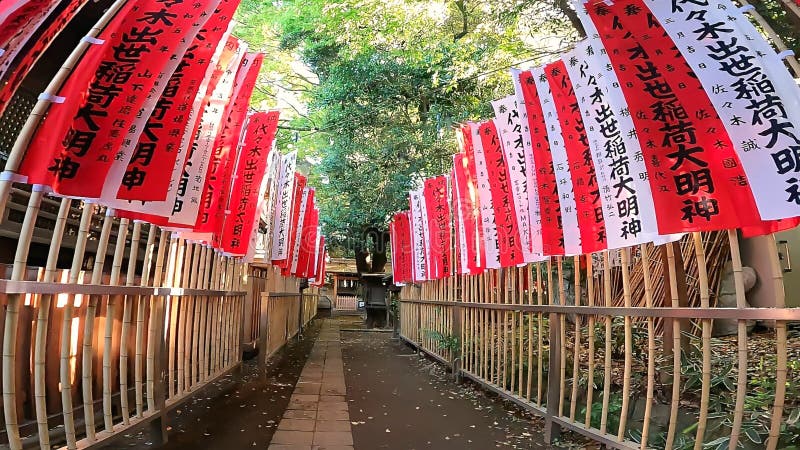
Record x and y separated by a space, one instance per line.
43 104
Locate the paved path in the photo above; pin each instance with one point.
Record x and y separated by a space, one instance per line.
317 416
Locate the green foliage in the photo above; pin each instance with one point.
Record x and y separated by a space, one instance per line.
370 90
444 342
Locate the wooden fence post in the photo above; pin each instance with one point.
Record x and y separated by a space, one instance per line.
458 313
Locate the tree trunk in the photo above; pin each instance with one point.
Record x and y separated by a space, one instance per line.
566 9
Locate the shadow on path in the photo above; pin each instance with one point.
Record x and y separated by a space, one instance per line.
239 411
401 400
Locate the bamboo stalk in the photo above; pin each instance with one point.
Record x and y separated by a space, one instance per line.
651 348
741 303
676 351
626 380
173 261
705 392
20 147
587 421
89 326
66 328
40 345
12 322
540 342
607 354
576 361
562 388
780 331
529 387
127 313
521 317
140 323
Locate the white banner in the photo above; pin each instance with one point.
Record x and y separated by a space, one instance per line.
463 255
509 128
535 218
751 90
418 227
628 208
566 196
283 210
490 238
298 236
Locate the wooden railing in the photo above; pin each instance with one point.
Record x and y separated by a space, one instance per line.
346 303
282 316
595 349
89 356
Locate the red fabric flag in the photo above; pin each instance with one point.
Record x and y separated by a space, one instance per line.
468 215
550 207
216 192
697 179
304 216
504 212
438 208
107 96
402 254
297 198
17 19
149 171
475 247
250 171
15 64
581 167
307 250
189 172
321 265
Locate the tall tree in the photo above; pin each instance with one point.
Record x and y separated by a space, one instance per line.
381 84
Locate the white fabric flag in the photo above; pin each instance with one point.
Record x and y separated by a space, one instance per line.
509 127
753 93
566 195
283 210
627 200
490 238
418 241
535 218
459 214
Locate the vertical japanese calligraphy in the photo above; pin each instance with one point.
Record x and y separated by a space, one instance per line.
437 207
697 180
110 95
547 186
248 184
508 240
579 159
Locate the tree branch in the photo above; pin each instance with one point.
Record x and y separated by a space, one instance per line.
462 8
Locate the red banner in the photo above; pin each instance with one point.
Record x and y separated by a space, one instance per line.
500 186
402 253
250 171
321 264
217 189
697 179
149 171
17 22
579 154
15 64
475 245
550 207
308 243
79 139
438 207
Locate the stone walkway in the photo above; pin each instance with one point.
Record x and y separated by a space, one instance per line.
317 417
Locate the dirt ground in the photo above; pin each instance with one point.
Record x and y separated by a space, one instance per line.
401 400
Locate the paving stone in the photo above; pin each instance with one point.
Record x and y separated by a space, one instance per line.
293 437
297 425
